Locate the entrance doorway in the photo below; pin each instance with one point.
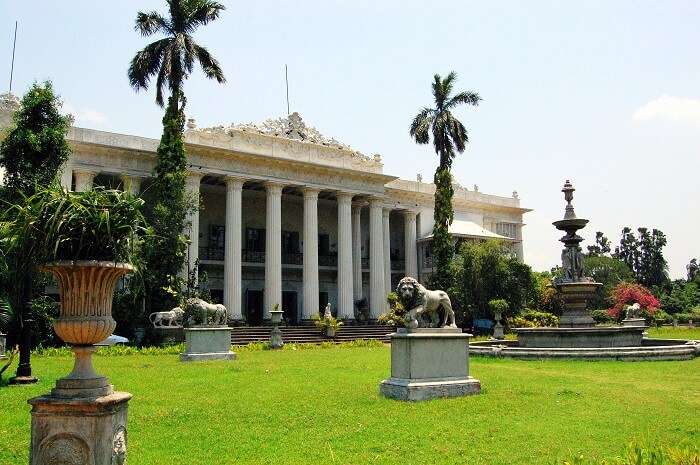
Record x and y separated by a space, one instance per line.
289 307
254 307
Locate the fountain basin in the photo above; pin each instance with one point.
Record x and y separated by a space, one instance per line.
595 337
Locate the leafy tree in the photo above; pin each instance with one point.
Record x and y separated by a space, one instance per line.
487 270
693 269
608 271
601 247
643 254
32 155
449 138
682 297
171 60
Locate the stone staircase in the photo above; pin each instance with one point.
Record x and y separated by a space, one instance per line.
309 334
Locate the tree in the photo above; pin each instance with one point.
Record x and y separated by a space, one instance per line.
32 155
693 269
449 138
487 270
643 254
608 271
171 60
601 247
625 294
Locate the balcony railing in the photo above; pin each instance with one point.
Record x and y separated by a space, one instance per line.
427 262
251 256
398 265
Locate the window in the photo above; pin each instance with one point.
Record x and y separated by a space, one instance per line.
255 239
324 245
290 242
217 236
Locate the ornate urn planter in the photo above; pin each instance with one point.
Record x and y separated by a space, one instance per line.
86 289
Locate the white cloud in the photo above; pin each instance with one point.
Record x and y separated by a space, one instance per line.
669 108
85 117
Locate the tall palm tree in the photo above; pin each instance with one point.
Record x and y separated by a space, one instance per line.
172 58
449 138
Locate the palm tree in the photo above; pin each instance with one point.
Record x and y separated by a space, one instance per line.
172 58
449 137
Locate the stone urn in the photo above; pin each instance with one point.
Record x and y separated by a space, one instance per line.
330 331
498 327
86 290
276 341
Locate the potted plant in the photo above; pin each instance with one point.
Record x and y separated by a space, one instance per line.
498 307
87 241
329 325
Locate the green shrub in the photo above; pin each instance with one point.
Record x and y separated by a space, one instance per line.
540 319
395 315
498 306
602 317
660 318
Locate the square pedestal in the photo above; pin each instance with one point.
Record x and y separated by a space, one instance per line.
207 343
634 322
427 363
79 431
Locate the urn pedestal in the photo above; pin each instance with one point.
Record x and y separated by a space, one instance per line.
634 322
427 363
207 343
82 421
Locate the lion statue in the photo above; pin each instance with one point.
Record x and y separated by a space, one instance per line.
421 303
205 313
173 318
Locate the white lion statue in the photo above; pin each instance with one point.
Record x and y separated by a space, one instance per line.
171 319
209 314
421 303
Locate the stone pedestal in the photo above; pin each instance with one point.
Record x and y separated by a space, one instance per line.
427 363
80 431
207 343
575 295
634 322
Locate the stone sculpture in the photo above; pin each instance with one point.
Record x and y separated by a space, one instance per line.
327 315
632 311
421 303
204 313
171 319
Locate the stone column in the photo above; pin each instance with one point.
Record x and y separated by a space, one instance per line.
192 222
387 251
357 251
84 179
273 248
411 256
232 248
67 176
377 294
132 184
310 254
345 271
519 244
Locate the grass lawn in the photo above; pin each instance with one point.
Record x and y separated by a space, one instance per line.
675 333
322 406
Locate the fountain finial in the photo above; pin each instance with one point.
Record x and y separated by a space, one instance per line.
568 191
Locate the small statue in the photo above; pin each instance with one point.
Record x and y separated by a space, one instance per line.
361 310
327 315
171 319
633 311
420 303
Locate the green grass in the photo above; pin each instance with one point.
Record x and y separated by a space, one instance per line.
680 332
322 406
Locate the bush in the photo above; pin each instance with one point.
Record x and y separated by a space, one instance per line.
395 315
499 306
602 317
685 318
660 318
625 294
533 319
641 454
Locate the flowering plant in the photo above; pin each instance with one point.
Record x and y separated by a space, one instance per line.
625 294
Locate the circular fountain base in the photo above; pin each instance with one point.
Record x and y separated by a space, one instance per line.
649 349
590 337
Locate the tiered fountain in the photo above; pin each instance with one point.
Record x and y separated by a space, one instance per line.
577 336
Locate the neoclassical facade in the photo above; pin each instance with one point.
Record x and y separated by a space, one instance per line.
290 217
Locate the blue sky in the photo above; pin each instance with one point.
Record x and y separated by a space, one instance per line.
605 93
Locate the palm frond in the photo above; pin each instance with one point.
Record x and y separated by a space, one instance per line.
420 127
458 133
151 22
201 13
468 98
146 63
209 64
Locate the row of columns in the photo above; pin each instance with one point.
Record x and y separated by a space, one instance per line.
349 245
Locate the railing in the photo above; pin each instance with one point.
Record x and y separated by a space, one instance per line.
427 262
327 260
398 265
252 256
365 263
292 258
211 253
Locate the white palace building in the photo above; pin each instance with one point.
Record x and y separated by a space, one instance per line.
291 217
